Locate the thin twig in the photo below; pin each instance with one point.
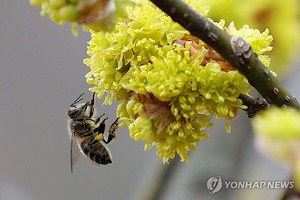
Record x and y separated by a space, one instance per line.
253 104
233 49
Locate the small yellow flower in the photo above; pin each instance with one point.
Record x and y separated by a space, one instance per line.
278 123
98 15
278 135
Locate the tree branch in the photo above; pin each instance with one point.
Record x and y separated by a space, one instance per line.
234 49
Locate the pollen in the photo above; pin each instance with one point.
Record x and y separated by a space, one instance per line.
99 137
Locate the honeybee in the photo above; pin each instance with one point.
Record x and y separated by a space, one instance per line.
88 132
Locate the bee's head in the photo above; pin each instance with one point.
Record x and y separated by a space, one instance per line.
79 110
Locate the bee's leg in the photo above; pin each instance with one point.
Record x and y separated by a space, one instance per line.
111 132
98 119
91 142
101 128
93 99
94 140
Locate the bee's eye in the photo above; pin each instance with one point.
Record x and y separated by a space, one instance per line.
73 113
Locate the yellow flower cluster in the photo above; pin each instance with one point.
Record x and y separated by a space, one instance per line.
280 17
92 14
170 84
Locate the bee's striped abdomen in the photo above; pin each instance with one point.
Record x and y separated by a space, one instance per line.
97 152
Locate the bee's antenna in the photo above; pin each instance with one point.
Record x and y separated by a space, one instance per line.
93 99
77 100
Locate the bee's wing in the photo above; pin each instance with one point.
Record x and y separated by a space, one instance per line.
74 152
